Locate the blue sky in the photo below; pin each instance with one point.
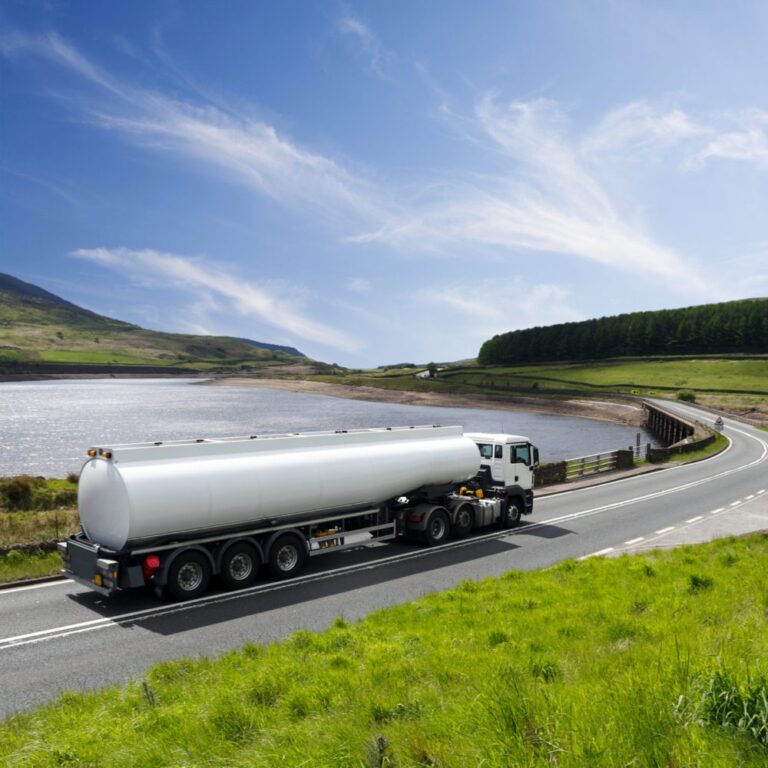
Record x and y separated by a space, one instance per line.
382 182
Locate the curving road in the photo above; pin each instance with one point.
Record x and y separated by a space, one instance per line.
60 636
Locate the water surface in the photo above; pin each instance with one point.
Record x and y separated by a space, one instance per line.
46 426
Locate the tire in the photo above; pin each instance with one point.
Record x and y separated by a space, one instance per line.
514 511
286 556
189 576
462 521
239 566
438 528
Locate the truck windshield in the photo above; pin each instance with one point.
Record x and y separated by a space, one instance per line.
520 454
486 450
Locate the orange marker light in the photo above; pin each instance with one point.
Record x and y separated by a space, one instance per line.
91 451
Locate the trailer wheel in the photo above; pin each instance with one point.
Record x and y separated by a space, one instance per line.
514 510
189 575
286 556
462 522
438 527
239 566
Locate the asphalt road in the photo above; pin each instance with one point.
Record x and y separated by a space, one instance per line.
61 636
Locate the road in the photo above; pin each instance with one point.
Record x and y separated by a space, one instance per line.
61 636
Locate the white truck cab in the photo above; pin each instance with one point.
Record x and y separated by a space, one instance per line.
509 459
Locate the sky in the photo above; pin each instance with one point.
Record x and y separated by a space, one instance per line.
383 182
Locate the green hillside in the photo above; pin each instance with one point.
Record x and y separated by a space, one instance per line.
739 327
38 327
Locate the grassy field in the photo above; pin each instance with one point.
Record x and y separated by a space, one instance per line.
652 660
651 376
696 374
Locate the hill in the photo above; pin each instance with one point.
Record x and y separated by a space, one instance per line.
732 327
38 327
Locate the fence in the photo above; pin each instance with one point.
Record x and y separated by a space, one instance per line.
581 466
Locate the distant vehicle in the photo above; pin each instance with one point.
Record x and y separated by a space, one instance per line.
719 424
172 515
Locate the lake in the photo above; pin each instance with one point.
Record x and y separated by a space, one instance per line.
46 426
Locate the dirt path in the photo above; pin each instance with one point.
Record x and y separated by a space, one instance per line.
603 410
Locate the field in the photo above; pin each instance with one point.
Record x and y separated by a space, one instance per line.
652 660
730 384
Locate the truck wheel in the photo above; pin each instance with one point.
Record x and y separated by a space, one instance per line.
438 527
512 516
462 522
239 566
189 575
286 556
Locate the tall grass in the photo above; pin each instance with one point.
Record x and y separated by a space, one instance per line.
652 660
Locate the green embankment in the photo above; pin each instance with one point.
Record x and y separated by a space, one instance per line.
39 328
34 512
650 660
28 565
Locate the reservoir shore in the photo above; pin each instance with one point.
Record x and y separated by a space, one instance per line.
599 410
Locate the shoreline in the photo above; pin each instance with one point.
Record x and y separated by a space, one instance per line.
597 410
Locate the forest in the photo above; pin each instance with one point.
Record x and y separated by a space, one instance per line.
729 327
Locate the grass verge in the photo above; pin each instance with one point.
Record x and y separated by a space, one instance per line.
720 443
659 659
28 565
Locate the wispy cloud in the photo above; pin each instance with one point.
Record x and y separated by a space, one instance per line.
216 289
749 143
358 285
366 42
641 125
244 150
544 199
541 304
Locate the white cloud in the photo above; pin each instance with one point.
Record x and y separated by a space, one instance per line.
249 152
749 143
366 41
358 285
244 150
527 306
206 281
641 125
546 200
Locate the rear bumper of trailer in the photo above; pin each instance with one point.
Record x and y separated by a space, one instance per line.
86 564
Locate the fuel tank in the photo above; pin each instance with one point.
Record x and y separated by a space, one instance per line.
138 494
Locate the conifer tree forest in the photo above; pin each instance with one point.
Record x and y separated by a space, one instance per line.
730 327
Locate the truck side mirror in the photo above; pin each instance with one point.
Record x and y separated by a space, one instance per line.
535 454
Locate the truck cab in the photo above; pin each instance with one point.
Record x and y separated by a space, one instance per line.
506 465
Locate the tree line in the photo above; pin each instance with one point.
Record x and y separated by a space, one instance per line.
734 326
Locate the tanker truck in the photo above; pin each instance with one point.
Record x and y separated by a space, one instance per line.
175 515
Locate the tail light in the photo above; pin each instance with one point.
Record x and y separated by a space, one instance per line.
151 566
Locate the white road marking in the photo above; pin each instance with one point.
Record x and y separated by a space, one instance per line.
57 583
717 511
695 519
665 530
598 553
762 490
751 496
634 541
735 503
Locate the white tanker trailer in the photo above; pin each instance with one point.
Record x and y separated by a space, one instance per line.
172 515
